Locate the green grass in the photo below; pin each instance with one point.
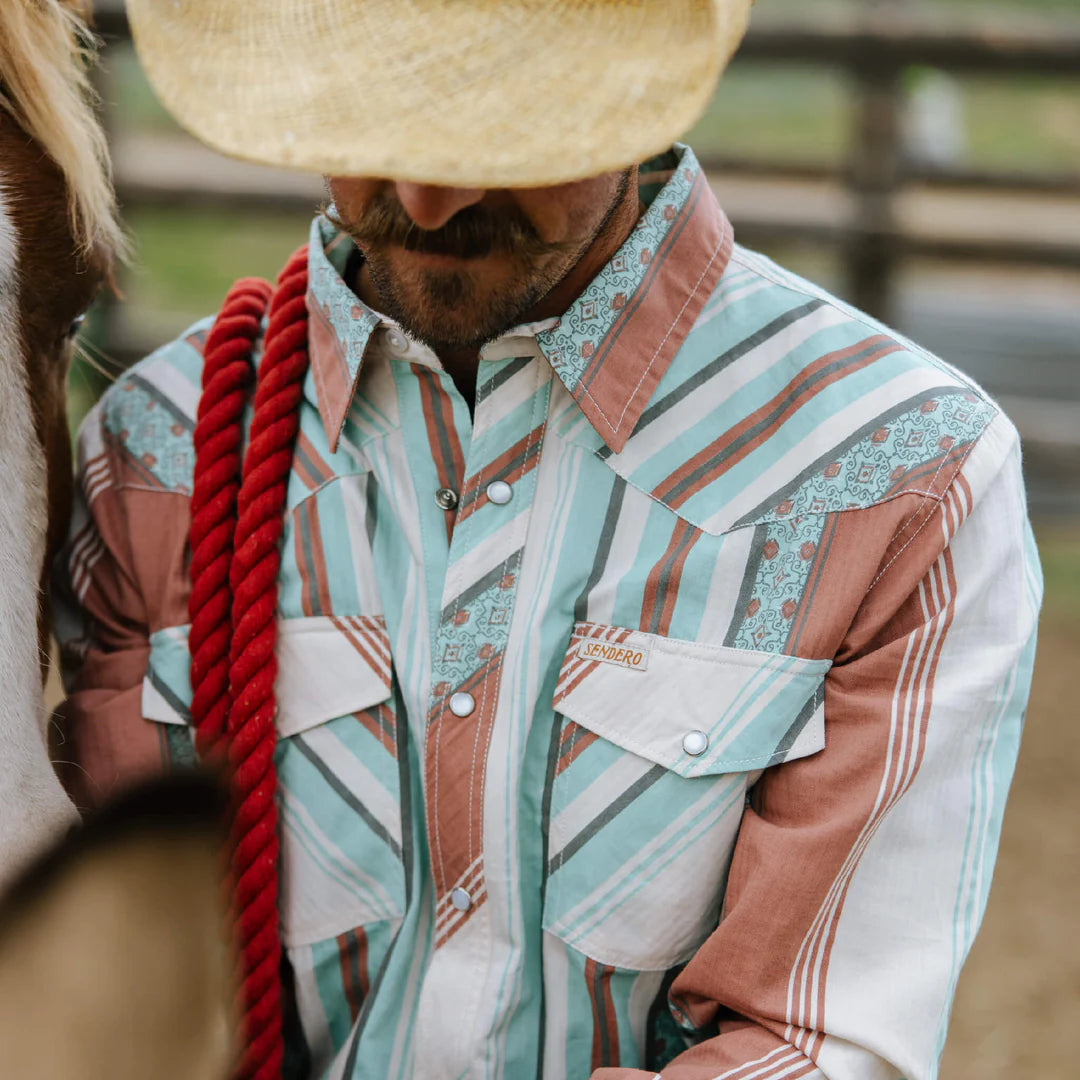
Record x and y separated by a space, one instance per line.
184 265
186 262
127 92
1026 122
791 113
786 113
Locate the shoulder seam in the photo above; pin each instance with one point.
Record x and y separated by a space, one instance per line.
938 500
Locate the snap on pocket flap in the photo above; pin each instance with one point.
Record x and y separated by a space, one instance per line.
694 708
329 666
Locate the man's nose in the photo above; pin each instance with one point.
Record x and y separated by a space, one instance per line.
430 206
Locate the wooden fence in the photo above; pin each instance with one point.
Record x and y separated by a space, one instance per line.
872 240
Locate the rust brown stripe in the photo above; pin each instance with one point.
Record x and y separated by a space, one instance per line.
734 445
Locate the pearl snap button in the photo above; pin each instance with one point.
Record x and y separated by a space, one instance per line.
461 899
462 704
396 341
500 492
695 743
446 499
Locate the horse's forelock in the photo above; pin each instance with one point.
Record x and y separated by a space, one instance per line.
45 53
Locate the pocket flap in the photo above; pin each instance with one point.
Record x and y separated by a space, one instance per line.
328 666
696 709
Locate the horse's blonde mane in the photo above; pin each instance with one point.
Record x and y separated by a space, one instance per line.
45 54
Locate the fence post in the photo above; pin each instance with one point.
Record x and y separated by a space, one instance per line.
875 173
102 325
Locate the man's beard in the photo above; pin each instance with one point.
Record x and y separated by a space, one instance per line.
444 307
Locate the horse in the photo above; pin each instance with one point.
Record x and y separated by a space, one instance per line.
59 239
114 962
114 958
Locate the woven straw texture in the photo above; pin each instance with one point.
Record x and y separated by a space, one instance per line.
469 93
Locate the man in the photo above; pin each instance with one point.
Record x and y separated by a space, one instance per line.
654 631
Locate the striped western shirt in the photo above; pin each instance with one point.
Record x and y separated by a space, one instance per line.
654 715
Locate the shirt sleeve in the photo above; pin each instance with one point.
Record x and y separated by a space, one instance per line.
102 624
860 874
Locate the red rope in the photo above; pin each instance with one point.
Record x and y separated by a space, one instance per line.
235 534
226 380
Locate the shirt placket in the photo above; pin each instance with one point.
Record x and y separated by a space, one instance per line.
486 548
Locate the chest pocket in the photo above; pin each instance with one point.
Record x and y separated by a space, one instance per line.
340 759
656 743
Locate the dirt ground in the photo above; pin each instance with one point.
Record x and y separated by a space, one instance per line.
1018 1004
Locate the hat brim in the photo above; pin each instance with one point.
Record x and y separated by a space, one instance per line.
507 93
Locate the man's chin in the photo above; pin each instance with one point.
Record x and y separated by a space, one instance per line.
423 260
449 301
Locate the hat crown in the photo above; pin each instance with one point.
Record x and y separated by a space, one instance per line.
487 93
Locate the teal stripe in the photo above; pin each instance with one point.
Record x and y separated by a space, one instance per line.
334 866
615 893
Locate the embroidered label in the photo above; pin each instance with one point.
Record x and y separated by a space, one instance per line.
606 652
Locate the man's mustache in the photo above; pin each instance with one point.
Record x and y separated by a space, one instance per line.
472 233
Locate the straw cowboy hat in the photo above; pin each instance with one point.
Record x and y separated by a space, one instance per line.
466 93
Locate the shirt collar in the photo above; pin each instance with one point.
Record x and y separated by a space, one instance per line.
340 326
613 345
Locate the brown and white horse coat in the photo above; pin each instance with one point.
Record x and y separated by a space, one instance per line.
113 964
58 236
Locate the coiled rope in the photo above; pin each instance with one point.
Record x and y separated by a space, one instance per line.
236 526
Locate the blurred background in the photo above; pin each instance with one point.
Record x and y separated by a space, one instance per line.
918 157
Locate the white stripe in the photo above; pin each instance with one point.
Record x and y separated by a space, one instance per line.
88 559
34 805
617 778
445 909
627 543
90 445
715 803
485 557
737 290
370 643
96 478
898 733
385 806
908 758
85 539
766 1061
353 493
557 999
574 663
513 393
171 383
404 1048
841 427
309 1003
411 648
796 983
557 479
359 897
704 402
725 586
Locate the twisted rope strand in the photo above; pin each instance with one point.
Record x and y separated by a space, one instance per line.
251 738
218 436
236 529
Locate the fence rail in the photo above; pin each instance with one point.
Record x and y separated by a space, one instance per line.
878 40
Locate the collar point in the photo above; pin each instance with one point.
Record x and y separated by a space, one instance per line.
616 441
